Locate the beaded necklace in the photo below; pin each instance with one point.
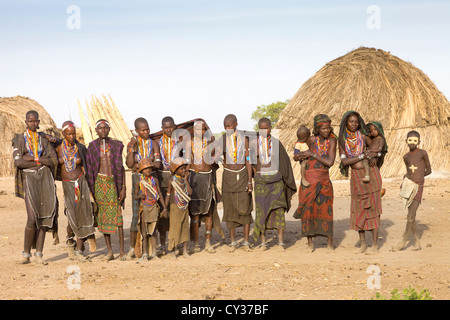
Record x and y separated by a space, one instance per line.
235 147
148 188
166 145
180 194
354 143
144 148
265 149
322 149
198 148
69 155
104 150
34 144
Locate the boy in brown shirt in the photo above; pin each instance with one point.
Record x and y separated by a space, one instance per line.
417 168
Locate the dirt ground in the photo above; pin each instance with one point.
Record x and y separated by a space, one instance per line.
261 275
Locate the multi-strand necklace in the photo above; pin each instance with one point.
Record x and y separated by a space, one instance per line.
354 143
198 148
144 148
322 149
148 188
235 147
34 144
181 195
265 149
69 154
166 145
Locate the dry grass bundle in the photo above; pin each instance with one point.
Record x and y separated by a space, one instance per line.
103 109
381 87
12 121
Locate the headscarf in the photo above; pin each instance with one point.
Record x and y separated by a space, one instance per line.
342 129
379 127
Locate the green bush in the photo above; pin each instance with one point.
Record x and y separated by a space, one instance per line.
406 294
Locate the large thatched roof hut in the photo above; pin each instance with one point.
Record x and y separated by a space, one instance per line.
12 121
381 87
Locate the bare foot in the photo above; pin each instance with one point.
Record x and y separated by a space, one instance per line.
92 244
400 246
310 248
363 248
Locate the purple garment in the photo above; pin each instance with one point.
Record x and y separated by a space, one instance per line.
93 163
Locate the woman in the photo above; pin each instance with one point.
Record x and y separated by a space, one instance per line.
315 207
365 196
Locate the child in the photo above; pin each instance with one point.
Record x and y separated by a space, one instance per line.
417 168
303 134
378 147
178 198
147 191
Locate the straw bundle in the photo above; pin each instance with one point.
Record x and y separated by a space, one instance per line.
103 109
12 121
381 87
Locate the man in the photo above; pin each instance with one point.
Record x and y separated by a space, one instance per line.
106 179
237 184
35 160
78 207
203 204
274 185
140 147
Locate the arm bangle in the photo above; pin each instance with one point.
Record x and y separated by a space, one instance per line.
343 156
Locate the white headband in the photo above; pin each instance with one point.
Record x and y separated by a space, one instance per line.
102 121
67 126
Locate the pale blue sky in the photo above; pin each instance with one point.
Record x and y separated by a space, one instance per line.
190 58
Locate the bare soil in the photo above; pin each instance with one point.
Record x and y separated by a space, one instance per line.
262 275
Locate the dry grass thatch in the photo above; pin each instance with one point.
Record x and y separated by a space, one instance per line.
12 121
381 87
103 108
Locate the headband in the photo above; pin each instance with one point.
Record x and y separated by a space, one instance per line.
102 121
67 126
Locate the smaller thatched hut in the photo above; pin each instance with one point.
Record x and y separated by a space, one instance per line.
12 121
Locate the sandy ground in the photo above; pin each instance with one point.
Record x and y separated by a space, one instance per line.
261 275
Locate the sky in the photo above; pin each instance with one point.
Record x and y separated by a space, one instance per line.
201 58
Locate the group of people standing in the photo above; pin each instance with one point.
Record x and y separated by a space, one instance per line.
174 184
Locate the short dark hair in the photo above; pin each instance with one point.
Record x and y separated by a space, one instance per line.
264 120
413 133
167 119
139 121
303 131
230 117
32 112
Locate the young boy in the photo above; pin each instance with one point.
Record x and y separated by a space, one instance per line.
417 168
148 192
140 147
303 134
178 197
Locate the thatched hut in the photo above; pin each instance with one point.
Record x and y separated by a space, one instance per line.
381 87
12 121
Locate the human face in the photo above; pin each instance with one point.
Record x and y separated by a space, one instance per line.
230 125
32 122
168 128
325 130
102 130
199 129
373 131
181 171
352 123
70 134
147 172
265 129
412 142
143 130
